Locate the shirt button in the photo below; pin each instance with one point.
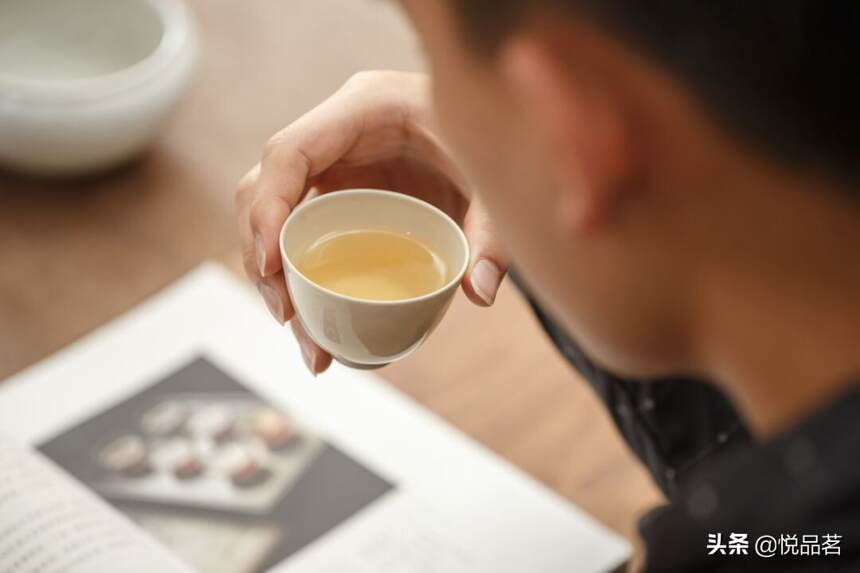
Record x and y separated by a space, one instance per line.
722 437
647 405
623 410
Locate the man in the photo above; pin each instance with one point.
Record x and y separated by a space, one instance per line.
676 185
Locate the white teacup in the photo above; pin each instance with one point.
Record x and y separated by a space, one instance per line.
370 333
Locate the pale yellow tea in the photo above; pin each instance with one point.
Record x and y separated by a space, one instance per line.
373 265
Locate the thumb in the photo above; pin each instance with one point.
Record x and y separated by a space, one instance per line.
488 265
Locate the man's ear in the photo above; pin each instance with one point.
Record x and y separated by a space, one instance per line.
580 123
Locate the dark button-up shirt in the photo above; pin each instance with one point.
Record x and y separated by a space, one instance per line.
792 504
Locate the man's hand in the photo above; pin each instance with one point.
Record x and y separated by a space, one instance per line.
375 132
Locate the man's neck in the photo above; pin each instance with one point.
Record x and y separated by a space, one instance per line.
780 366
781 315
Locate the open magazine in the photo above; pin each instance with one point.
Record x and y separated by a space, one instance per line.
186 436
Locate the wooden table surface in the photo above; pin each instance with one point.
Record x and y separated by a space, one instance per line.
74 254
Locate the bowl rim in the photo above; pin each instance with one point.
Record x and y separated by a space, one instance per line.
334 195
178 38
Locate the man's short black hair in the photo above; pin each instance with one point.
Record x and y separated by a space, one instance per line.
779 73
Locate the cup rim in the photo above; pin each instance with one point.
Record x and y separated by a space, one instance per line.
178 35
333 195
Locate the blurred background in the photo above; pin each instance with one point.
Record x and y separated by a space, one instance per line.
76 252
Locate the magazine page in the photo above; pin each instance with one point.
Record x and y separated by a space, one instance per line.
50 524
193 417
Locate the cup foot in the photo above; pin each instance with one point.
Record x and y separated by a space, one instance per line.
357 366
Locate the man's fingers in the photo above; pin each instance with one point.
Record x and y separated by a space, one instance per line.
488 264
316 359
244 196
266 217
246 187
292 158
485 278
273 289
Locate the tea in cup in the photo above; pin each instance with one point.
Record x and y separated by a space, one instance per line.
371 272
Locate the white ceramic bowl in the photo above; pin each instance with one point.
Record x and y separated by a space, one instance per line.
86 84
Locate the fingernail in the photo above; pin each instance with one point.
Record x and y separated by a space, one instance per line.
260 247
273 301
486 278
308 355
